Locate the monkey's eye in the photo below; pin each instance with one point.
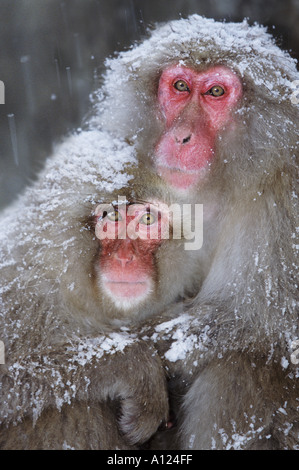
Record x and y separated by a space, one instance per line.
181 85
114 216
216 90
147 219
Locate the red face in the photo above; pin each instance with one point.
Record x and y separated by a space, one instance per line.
130 236
196 107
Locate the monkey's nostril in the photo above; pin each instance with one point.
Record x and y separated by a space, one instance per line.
186 139
179 140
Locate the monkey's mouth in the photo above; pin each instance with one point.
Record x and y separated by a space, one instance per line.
126 293
126 289
178 178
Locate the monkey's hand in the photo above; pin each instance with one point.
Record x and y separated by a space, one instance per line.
144 397
135 380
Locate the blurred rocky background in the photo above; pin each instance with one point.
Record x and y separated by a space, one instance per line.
52 54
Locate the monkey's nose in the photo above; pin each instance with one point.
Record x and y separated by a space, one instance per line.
185 140
124 259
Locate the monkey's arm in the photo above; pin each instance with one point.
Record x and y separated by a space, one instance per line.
93 393
236 395
242 400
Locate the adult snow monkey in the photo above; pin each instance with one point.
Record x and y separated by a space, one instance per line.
210 106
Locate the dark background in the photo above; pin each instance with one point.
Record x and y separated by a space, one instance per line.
52 54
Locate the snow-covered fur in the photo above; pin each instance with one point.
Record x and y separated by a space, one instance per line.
125 101
234 347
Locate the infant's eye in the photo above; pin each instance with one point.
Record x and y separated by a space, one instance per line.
113 216
147 219
181 85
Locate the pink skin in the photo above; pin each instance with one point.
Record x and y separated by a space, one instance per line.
126 275
193 120
127 265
